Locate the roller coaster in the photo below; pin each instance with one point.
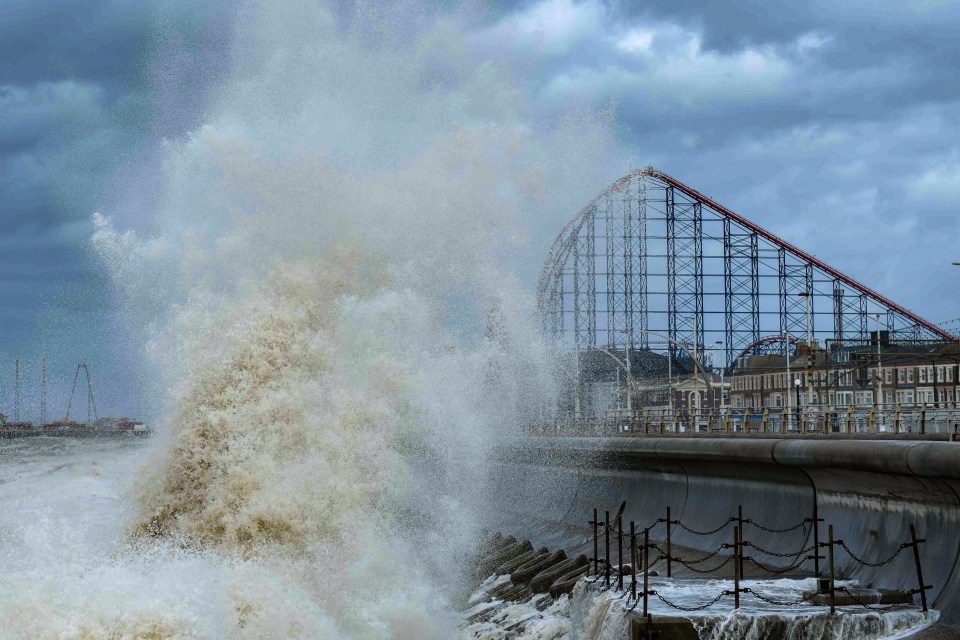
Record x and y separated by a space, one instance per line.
651 254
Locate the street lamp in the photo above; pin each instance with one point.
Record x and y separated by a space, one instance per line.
879 402
670 375
693 345
796 384
786 341
626 353
808 296
670 341
629 375
719 344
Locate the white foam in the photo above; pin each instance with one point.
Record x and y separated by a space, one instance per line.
331 317
593 613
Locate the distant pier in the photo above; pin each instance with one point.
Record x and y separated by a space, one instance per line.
102 428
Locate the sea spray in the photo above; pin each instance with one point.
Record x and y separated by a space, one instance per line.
328 297
594 612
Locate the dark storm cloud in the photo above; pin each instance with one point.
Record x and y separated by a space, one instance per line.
87 92
833 124
47 40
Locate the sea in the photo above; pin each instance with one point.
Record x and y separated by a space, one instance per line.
329 282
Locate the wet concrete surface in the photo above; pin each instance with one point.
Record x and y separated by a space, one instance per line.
870 492
938 632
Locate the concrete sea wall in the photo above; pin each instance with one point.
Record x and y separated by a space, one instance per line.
870 491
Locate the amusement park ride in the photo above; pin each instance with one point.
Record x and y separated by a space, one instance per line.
651 257
95 426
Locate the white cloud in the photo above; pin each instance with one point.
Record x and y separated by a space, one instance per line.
812 41
681 74
808 140
36 110
548 28
578 52
940 183
637 40
665 66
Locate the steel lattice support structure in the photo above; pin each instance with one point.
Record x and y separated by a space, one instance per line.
651 253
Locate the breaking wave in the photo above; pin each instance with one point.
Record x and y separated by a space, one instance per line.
333 299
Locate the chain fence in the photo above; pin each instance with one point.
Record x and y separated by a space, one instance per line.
641 552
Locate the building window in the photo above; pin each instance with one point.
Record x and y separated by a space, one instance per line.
910 375
900 374
950 374
923 374
888 376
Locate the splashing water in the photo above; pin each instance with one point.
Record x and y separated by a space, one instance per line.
328 300
594 613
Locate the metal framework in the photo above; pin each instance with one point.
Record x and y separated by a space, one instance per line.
91 403
652 254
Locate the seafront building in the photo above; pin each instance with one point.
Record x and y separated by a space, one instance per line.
834 377
910 375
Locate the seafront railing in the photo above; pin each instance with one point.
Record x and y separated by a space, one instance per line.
612 569
823 420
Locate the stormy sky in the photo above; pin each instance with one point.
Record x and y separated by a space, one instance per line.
833 124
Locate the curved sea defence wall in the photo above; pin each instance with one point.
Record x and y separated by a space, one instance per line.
870 491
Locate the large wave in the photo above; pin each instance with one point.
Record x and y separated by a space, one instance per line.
330 298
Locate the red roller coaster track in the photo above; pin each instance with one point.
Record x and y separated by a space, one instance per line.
693 193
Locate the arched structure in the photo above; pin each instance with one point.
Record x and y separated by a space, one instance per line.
651 253
769 345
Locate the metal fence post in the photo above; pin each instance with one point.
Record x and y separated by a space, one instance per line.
633 562
740 524
596 551
922 588
669 549
816 544
736 567
833 592
646 569
619 553
606 555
